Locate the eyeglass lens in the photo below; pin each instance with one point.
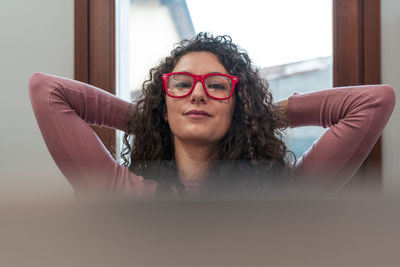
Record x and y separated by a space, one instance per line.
217 85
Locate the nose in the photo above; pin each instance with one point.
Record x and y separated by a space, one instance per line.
198 94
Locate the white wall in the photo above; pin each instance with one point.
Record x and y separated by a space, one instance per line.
390 19
35 36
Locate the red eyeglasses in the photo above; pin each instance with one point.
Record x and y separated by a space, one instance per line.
216 85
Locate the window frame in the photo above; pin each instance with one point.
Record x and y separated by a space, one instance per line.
95 52
357 61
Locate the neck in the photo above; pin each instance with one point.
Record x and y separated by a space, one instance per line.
193 160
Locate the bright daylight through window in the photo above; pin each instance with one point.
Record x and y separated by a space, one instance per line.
289 41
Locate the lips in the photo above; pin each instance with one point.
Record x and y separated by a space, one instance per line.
197 113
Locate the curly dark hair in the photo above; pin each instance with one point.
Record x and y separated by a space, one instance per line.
251 155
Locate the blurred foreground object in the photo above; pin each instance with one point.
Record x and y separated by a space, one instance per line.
295 231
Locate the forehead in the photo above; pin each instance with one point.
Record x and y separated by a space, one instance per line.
199 63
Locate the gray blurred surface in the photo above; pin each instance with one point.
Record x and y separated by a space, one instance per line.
295 231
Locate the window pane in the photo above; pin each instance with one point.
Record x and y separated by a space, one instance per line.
289 40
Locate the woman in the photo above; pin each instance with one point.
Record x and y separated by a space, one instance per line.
205 123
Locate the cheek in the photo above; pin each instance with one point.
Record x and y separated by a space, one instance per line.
172 114
169 108
227 109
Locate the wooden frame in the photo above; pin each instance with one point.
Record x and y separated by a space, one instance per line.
95 51
356 57
356 61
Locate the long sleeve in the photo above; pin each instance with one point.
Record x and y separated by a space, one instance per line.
64 109
355 116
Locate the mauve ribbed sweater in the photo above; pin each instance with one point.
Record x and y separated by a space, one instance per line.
65 108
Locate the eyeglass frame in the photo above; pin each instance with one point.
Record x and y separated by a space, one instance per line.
200 78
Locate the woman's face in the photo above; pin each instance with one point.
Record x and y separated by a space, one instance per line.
186 125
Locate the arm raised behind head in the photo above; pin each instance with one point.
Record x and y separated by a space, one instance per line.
356 117
64 109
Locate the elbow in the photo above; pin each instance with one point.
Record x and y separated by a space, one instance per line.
40 85
36 81
384 99
388 97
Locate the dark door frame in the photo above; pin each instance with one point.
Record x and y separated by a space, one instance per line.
357 61
95 52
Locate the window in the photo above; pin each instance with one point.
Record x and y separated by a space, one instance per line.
293 52
356 50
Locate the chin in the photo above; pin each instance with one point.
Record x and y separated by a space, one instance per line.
198 137
199 133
